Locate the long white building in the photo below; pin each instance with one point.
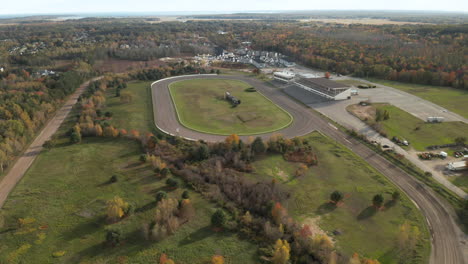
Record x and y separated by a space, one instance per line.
325 88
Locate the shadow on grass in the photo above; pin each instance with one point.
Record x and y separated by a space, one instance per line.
200 234
84 228
130 244
367 213
390 204
146 207
325 208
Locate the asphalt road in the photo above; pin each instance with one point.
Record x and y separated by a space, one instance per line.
449 244
14 175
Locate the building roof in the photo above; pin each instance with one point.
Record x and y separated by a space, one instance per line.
323 82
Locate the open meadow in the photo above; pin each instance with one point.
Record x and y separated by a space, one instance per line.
135 114
405 126
355 224
201 106
63 197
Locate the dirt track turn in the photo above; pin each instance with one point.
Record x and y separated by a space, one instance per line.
448 241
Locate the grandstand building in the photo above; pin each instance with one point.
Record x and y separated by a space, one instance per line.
325 88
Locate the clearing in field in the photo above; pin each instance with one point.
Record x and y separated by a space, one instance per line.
355 225
136 114
405 126
201 106
447 97
63 199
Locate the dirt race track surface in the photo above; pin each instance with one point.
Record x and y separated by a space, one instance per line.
166 116
449 243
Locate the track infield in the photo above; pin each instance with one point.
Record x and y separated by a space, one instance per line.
200 106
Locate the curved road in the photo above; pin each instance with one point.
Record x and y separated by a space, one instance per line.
449 243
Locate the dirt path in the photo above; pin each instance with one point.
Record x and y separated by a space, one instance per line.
8 183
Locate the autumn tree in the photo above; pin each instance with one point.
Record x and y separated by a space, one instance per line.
232 140
217 259
301 170
3 159
164 259
408 237
281 252
322 245
355 259
186 210
247 219
278 213
116 209
157 163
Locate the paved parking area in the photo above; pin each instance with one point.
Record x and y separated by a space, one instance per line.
414 105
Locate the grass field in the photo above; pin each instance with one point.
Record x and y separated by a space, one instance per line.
370 233
419 133
449 98
461 180
136 114
201 106
65 192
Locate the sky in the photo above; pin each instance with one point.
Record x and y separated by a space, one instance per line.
10 7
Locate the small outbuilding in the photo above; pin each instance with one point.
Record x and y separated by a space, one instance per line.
457 166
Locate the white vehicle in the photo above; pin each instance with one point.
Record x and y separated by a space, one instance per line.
457 166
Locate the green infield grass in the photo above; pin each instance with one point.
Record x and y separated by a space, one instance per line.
201 106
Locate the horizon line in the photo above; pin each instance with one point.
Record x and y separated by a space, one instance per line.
222 12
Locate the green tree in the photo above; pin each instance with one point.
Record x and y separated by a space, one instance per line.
460 141
219 218
161 195
396 195
164 172
75 137
336 197
378 200
173 183
185 195
113 237
203 152
258 147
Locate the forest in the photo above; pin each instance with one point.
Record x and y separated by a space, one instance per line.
433 54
